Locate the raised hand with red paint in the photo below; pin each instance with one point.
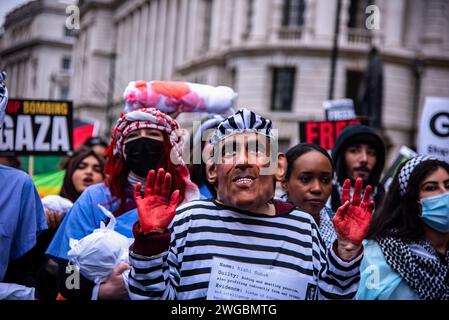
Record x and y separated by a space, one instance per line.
156 207
352 220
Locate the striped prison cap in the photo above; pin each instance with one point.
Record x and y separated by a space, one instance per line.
242 121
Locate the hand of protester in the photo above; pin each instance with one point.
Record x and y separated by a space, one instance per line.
53 219
114 288
352 220
156 208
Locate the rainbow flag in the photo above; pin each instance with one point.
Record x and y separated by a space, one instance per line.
49 182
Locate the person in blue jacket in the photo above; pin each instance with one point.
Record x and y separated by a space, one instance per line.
407 256
22 219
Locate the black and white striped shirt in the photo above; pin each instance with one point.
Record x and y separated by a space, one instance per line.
203 229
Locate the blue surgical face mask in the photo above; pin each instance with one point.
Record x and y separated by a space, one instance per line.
435 212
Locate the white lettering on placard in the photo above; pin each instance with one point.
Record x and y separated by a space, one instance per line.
21 138
24 134
40 144
7 135
59 134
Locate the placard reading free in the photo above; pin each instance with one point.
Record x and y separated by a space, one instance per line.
37 127
232 280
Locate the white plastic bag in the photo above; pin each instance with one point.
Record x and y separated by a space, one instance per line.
57 203
12 291
97 254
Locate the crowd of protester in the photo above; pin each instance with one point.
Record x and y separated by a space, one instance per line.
336 230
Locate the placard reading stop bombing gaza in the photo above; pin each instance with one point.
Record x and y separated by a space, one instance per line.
37 127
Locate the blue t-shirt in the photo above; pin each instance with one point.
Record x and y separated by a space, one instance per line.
22 215
85 216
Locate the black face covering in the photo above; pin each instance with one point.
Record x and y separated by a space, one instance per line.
142 155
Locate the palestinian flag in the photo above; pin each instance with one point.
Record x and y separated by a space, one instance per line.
83 130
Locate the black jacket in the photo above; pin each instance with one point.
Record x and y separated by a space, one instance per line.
351 135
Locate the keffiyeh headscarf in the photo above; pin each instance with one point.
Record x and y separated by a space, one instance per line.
407 169
152 119
242 121
3 97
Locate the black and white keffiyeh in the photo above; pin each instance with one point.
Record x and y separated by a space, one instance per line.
407 169
3 97
326 226
419 265
242 121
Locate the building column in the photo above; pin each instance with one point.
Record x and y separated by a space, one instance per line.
170 40
26 77
182 32
259 21
239 22
217 19
160 42
192 29
128 24
118 60
135 45
151 44
227 25
143 40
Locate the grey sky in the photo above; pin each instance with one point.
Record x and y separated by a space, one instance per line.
7 6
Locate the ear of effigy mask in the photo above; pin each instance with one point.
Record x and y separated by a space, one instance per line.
3 97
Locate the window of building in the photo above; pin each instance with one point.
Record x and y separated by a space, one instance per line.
64 92
353 80
363 109
357 14
69 32
293 13
65 64
283 83
207 24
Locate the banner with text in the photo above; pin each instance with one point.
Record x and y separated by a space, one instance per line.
340 109
37 127
323 133
433 139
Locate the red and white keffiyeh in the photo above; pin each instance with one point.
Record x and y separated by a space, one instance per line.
153 119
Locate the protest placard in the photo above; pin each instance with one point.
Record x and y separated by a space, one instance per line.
37 127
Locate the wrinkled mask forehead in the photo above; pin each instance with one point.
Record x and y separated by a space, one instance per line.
259 149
